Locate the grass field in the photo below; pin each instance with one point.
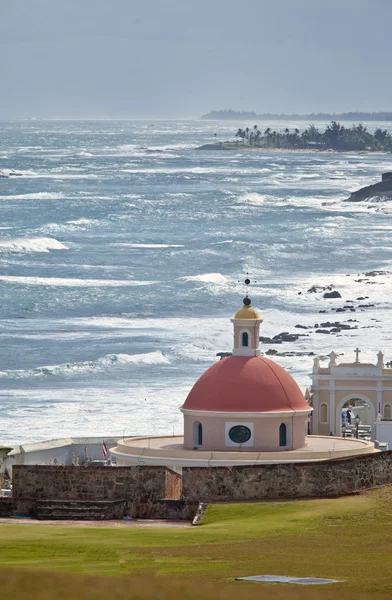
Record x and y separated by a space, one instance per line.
348 539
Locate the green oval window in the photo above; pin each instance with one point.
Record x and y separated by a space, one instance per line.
240 434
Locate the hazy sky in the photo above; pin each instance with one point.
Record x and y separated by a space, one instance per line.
180 58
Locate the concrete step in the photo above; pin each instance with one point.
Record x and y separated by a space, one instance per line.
82 510
70 516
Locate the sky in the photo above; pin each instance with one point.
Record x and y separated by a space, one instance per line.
182 58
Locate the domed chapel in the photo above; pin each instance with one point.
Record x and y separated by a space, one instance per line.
245 400
245 409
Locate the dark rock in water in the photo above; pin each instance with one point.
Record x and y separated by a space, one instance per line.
214 147
289 337
375 273
336 325
382 189
267 340
341 310
224 354
301 327
271 352
285 336
366 305
322 331
363 298
322 311
333 294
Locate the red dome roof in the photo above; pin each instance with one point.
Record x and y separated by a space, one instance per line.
245 384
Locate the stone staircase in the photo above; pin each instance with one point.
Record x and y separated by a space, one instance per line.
79 510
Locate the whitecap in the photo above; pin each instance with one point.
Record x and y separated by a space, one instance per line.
35 196
207 278
252 198
71 282
101 364
27 245
134 245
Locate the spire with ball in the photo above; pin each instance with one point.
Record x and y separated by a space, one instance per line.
246 324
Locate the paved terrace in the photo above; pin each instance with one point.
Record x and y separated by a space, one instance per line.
169 450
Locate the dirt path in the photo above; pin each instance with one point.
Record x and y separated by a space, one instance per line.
132 523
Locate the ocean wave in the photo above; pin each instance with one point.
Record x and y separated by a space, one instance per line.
135 245
28 245
78 225
72 282
207 278
101 364
35 196
253 198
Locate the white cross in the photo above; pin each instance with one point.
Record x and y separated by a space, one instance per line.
357 351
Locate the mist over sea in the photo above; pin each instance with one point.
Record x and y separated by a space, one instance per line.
122 256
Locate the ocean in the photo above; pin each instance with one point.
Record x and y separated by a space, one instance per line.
123 252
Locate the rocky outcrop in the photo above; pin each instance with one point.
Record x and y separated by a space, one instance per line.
282 337
334 294
382 189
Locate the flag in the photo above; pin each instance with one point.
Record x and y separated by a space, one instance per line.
104 449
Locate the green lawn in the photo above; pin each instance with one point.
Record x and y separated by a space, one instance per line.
348 539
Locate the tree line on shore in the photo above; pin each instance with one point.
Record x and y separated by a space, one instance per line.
334 137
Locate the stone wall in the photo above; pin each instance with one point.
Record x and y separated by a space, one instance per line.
139 484
7 507
174 510
326 479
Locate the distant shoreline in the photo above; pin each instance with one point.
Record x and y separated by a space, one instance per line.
239 115
240 148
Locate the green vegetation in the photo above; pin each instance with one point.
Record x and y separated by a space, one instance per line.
347 539
229 114
334 137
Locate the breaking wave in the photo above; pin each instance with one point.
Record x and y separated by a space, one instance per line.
130 245
102 364
207 278
71 282
35 196
28 245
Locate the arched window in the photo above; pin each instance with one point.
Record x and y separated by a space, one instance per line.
323 413
245 339
197 433
387 411
283 435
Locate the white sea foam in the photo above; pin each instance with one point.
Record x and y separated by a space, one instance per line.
71 282
30 245
132 245
207 278
102 364
35 196
77 225
252 198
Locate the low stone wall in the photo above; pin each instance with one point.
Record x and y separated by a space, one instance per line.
139 484
326 479
173 510
7 507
